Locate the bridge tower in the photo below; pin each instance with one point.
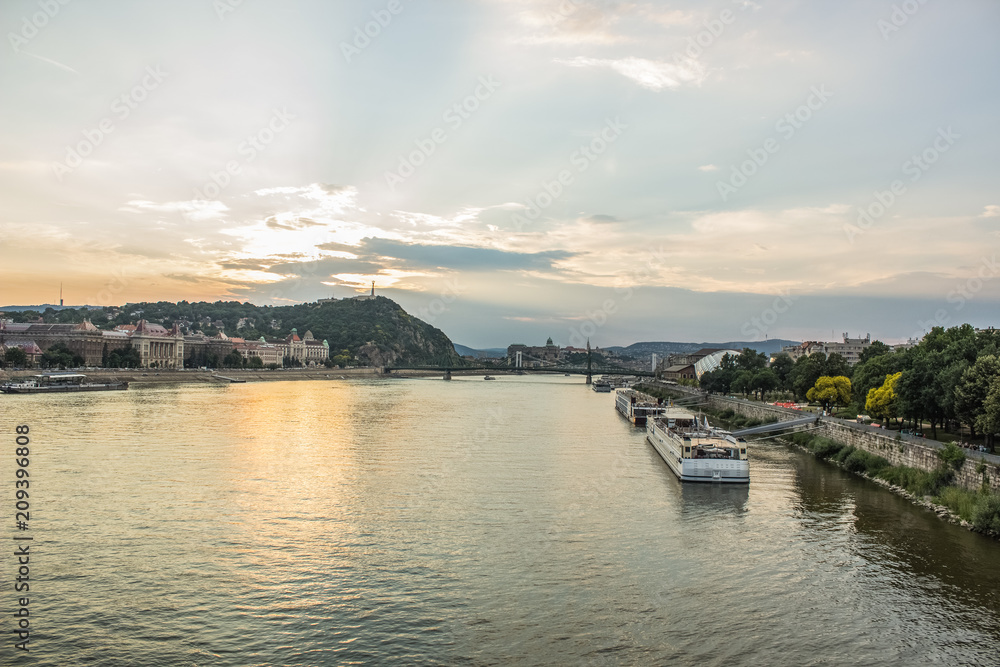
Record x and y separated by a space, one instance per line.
590 375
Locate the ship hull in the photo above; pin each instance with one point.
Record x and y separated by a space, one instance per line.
63 390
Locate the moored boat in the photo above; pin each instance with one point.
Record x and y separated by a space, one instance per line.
601 386
697 452
51 383
636 406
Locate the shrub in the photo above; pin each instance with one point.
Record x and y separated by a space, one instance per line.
986 515
861 461
842 455
824 448
952 455
856 461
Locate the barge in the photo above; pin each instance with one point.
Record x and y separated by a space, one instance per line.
54 383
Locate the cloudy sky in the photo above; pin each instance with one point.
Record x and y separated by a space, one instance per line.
512 169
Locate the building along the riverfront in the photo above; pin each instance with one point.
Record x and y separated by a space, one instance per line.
850 349
158 346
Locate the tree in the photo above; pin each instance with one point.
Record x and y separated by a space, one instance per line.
972 389
720 380
751 360
60 356
763 381
743 382
881 401
988 422
836 365
127 357
876 349
922 390
807 370
16 357
256 362
233 360
871 373
831 391
782 366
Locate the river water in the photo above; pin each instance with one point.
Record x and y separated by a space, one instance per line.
520 521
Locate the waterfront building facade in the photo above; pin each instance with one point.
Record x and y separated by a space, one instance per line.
158 346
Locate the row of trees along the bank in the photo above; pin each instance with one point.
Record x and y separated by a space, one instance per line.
749 374
950 379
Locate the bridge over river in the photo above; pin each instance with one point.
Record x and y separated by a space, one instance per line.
446 371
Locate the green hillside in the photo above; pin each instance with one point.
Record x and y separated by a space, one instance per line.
377 332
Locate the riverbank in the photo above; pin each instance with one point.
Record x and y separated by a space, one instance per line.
225 375
195 376
942 483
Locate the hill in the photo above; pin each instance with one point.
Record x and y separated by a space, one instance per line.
43 307
376 331
490 353
663 349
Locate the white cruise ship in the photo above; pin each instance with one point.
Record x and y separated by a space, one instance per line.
697 452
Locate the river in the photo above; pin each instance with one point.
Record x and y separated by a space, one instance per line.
520 521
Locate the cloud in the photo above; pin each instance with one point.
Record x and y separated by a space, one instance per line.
601 219
649 74
331 198
708 167
323 269
417 255
290 223
991 211
570 22
195 210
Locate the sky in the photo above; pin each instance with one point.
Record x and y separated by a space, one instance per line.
511 170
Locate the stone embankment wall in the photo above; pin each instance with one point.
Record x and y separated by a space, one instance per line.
905 451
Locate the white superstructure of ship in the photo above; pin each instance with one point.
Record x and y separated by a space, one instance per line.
697 452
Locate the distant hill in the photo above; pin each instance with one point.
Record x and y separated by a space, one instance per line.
41 308
663 349
490 353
